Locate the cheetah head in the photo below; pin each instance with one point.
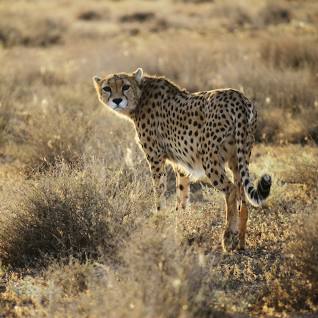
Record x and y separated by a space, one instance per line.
120 92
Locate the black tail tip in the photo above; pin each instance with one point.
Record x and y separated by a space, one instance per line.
264 186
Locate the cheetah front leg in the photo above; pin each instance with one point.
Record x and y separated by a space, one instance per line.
159 179
182 190
231 234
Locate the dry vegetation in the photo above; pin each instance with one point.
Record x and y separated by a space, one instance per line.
78 236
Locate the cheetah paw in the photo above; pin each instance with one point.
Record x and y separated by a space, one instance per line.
230 240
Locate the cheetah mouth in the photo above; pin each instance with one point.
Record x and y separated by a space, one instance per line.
114 107
117 107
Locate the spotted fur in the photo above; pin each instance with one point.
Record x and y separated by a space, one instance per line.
198 133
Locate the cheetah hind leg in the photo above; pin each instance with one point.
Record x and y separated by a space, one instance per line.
221 182
182 190
243 220
241 202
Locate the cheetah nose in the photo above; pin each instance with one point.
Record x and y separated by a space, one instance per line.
117 101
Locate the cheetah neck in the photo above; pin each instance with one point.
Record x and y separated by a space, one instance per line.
154 91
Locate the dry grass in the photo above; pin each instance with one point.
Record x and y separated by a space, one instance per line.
304 250
68 212
78 237
54 135
43 33
275 13
290 52
170 264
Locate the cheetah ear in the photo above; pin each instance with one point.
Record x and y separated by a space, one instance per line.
97 80
139 73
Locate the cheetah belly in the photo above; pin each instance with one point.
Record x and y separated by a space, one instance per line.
196 172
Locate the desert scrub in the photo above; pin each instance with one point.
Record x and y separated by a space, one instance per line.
291 52
71 212
52 135
51 289
27 32
305 250
293 287
274 13
158 278
179 284
8 111
6 116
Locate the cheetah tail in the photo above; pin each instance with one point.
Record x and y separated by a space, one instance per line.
255 196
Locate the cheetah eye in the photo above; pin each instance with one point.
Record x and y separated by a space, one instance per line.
125 87
107 89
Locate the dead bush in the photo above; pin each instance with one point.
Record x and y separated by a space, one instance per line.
235 15
41 33
140 17
304 249
290 52
160 278
303 173
70 212
7 114
274 13
294 287
89 15
51 135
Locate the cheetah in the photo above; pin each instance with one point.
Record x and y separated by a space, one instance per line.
197 133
